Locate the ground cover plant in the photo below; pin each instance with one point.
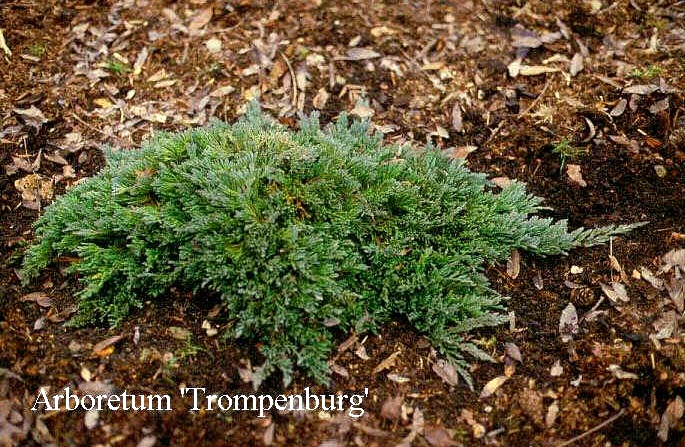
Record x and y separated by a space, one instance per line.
302 234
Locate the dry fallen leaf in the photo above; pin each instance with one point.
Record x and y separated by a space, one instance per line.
576 270
58 317
573 172
158 76
151 441
3 44
576 64
103 103
615 265
556 370
538 282
568 323
477 428
502 182
379 31
648 276
535 70
18 164
659 106
666 325
102 346
641 89
166 83
556 58
56 158
222 91
438 436
671 417
32 116
392 408
676 290
393 377
387 363
513 352
514 67
552 413
90 420
460 151
457 120
653 143
440 132
361 352
179 333
615 292
40 298
619 108
200 19
550 37
97 74
209 329
358 54
620 374
514 264
523 38
433 66
446 371
39 324
213 45
391 64
632 145
591 130
86 374
532 405
268 437
320 99
32 188
157 117
251 70
140 60
492 386
347 344
339 370
355 41
362 111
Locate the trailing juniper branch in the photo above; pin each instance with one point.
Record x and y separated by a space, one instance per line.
295 230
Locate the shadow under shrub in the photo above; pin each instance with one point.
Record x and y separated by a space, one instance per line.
298 231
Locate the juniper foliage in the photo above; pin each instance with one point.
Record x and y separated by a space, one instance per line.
297 230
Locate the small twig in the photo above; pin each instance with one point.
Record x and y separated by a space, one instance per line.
611 255
495 131
594 429
293 79
538 98
331 75
78 118
424 51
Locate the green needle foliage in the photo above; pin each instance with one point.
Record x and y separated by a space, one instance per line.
303 235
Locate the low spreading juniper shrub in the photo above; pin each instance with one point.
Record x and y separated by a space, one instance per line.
300 233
